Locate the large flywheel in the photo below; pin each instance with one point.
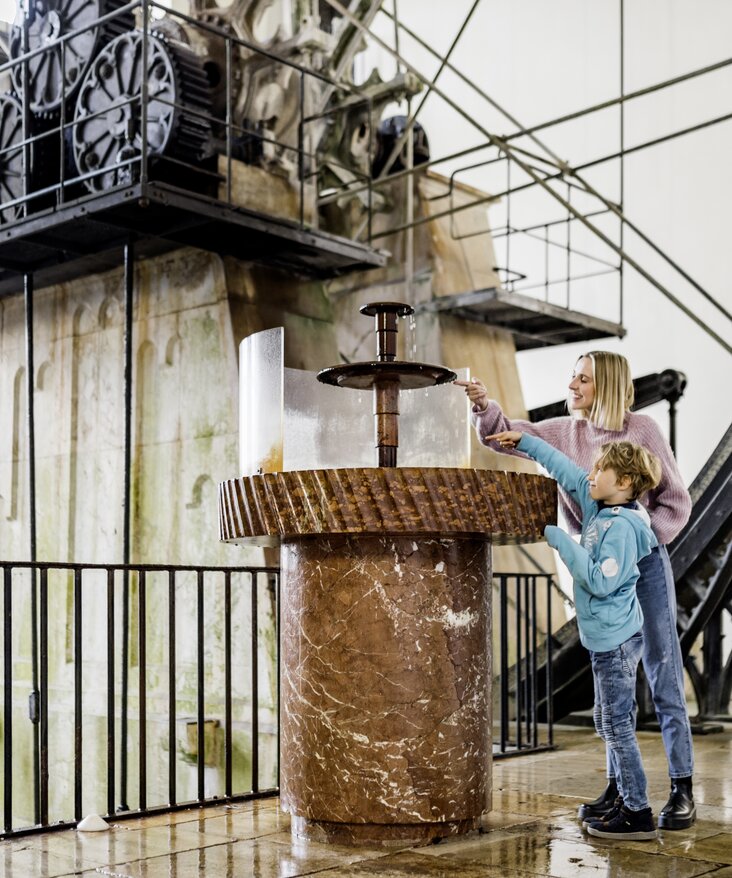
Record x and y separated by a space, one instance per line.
108 127
55 74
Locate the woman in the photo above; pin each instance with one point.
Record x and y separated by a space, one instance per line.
599 401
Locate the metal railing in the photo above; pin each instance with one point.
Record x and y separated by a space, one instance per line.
190 628
524 653
200 724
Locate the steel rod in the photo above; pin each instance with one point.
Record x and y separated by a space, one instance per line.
111 743
43 821
172 792
8 698
255 683
129 277
228 736
78 699
200 718
142 686
31 428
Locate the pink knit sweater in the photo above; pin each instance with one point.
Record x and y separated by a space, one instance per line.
669 505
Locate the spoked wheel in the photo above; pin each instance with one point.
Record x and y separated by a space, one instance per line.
107 138
55 74
11 157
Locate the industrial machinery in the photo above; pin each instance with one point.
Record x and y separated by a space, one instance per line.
99 94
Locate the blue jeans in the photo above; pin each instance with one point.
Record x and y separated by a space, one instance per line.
614 674
662 662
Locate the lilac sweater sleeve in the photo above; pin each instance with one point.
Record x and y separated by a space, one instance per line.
492 420
669 505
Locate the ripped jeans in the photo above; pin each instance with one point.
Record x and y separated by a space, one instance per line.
614 674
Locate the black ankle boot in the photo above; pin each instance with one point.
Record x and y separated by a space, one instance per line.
680 811
601 805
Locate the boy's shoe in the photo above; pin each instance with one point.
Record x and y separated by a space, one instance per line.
627 825
598 808
613 812
680 811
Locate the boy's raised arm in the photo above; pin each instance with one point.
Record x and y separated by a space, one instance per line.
573 479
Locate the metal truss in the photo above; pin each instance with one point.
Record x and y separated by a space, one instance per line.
544 169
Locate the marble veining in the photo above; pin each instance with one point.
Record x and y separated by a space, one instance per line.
385 669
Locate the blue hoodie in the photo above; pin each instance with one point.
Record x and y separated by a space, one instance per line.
604 566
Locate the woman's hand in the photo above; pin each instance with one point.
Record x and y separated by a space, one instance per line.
507 439
475 389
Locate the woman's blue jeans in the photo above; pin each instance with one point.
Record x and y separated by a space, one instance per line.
614 674
662 663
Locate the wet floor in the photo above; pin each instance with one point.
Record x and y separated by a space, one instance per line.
531 831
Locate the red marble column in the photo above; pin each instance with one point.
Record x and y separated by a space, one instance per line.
385 685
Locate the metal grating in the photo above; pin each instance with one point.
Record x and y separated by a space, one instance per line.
534 323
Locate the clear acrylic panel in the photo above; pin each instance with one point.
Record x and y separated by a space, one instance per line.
434 426
328 427
261 360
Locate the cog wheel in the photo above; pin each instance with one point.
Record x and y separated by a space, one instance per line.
211 48
43 159
107 125
48 86
11 157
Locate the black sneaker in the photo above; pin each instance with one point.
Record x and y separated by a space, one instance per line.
613 812
626 825
598 808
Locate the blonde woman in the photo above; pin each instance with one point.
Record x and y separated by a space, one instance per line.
599 400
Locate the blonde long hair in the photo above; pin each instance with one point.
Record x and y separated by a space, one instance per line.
614 393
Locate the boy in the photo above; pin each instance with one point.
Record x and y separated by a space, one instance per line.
604 567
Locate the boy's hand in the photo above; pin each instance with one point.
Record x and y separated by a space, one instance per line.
476 391
507 439
550 533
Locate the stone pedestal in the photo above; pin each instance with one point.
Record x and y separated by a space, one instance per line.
385 639
386 671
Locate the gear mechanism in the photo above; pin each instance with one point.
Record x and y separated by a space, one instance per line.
108 128
11 157
55 74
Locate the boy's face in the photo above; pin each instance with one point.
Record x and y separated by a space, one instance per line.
607 487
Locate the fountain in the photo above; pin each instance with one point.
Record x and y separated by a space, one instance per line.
385 611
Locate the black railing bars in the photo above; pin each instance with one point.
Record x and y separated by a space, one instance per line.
199 692
200 723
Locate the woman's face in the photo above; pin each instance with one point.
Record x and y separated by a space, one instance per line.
582 386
